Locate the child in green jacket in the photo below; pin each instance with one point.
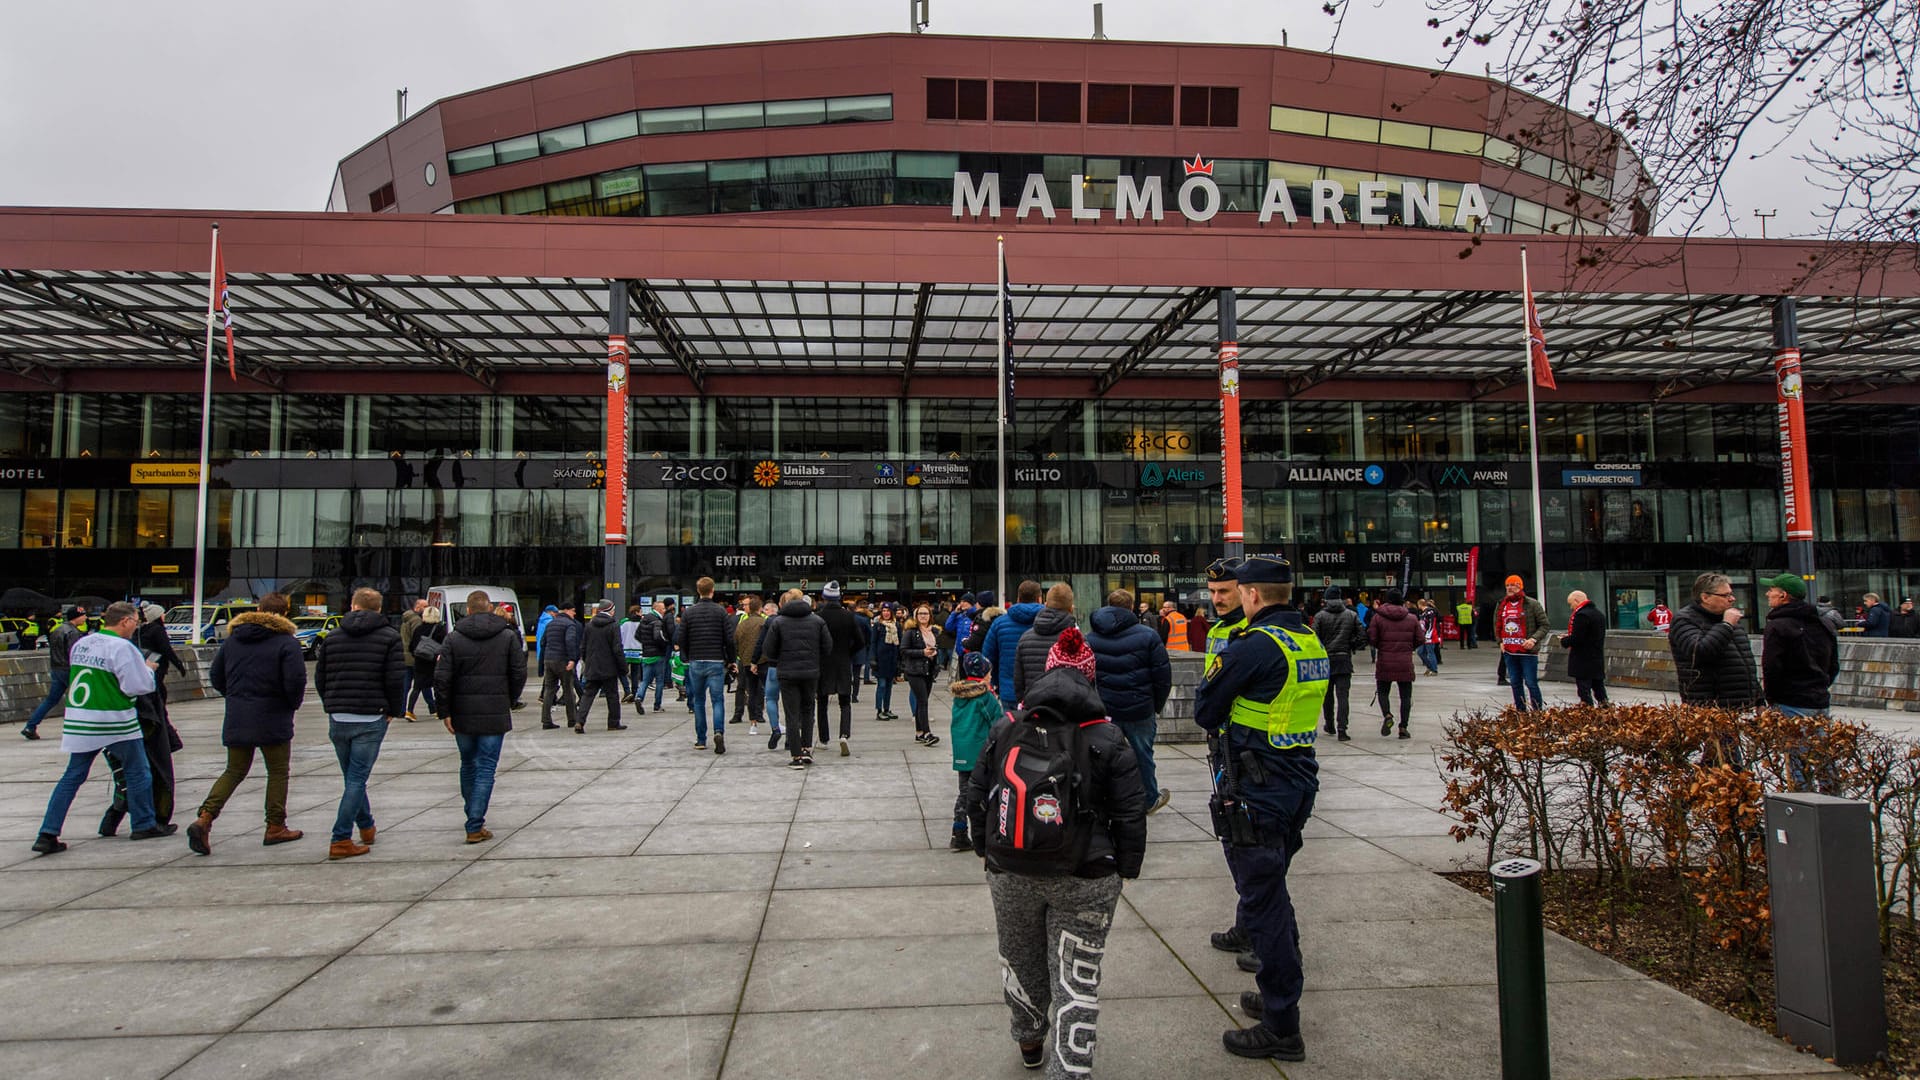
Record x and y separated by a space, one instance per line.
975 710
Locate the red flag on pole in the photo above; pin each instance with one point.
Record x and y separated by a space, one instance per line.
220 298
1536 345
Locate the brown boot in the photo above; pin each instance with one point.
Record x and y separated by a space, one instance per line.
346 849
280 834
200 835
366 836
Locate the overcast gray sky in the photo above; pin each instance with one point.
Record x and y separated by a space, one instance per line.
187 103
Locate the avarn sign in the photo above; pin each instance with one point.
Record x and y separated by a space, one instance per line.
1198 200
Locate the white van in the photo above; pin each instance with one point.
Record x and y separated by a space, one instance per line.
452 602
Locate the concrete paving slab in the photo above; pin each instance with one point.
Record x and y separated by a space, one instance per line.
167 997
38 892
1372 823
411 989
843 869
705 839
206 884
85 851
190 933
577 922
831 808
858 836
586 815
874 973
120 1058
701 808
535 842
669 1047
702 874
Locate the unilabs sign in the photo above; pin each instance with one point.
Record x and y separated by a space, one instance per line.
1199 200
181 473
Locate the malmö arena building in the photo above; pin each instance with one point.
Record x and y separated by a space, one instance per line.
799 242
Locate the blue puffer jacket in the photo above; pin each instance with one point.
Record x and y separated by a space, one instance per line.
1132 671
1003 642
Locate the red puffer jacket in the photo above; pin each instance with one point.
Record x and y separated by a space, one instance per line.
1395 633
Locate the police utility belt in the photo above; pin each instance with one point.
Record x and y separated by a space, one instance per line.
1290 722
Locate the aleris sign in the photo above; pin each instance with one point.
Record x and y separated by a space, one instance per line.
1198 199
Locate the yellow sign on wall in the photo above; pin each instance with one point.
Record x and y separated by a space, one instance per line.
168 473
166 569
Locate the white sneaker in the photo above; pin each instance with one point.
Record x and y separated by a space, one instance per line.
843 748
753 729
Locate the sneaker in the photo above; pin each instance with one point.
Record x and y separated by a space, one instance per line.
1328 727
806 754
1160 801
1386 726
1247 962
159 831
32 735
753 729
719 743
959 842
616 727
1261 1042
930 740
548 725
796 763
1343 737
1404 734
1234 940
883 716
844 752
411 717
110 822
1033 1055
1252 1004
701 745
48 844
773 739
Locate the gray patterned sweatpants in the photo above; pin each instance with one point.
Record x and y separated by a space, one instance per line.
1053 934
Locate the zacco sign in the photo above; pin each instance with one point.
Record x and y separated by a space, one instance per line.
1198 199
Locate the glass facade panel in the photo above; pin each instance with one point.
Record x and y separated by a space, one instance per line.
793 113
1359 128
873 107
1455 141
611 128
469 159
1298 121
518 148
664 121
561 139
676 189
745 114
1395 133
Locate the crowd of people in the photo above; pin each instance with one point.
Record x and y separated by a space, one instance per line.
1050 733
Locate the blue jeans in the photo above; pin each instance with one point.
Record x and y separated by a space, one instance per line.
707 687
772 694
883 687
130 757
479 756
1524 668
655 673
1430 656
358 747
56 690
1140 735
1797 762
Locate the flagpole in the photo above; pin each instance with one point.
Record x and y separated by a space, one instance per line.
1533 434
206 429
1000 427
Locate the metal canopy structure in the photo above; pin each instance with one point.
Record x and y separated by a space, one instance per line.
350 296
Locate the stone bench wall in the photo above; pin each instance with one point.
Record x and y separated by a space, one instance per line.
1176 720
1875 673
23 680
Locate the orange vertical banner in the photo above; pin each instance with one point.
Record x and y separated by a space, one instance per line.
617 357
1796 499
1230 441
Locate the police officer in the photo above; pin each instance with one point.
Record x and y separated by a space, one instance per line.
1223 591
1262 704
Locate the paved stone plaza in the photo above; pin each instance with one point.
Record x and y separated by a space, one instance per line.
651 911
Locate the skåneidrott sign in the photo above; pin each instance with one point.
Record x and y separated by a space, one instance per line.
1199 199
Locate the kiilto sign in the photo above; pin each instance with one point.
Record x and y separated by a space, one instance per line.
1199 199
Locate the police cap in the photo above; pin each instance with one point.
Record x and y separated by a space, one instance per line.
1265 570
1225 569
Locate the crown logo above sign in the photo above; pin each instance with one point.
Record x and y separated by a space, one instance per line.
1196 166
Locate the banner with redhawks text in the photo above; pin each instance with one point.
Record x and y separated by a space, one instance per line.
1796 500
617 438
1473 571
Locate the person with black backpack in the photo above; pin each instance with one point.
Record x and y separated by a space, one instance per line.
1059 814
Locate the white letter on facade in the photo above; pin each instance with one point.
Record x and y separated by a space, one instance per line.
1035 197
986 196
1278 200
1473 204
1417 203
1204 183
1139 203
1326 202
1373 202
1081 211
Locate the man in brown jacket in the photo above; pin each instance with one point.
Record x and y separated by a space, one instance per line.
749 687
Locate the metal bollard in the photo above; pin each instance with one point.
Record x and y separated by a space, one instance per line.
1521 960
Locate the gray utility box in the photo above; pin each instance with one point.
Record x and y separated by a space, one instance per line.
1826 930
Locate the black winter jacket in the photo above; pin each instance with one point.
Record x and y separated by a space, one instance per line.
796 641
1799 657
1395 633
914 661
1905 625
481 672
152 637
561 642
1340 633
653 636
1030 656
1132 672
705 633
263 675
1119 799
60 645
361 669
843 630
1586 644
602 657
1713 661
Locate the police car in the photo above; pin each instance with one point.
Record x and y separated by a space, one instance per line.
309 630
215 620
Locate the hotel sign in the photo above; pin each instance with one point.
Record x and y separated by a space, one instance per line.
1198 199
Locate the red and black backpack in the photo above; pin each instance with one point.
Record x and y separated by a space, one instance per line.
1039 816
